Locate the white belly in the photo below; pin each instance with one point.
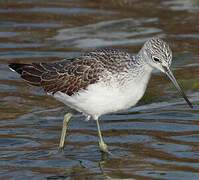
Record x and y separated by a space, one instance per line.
99 99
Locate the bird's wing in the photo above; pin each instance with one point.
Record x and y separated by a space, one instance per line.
67 76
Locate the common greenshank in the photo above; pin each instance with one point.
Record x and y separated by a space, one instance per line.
100 82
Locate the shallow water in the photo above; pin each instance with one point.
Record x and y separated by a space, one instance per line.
158 139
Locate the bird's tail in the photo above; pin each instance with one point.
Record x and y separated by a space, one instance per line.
29 72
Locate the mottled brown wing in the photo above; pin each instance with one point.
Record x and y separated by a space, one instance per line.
71 77
68 76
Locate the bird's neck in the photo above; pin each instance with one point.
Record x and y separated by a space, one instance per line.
140 66
139 72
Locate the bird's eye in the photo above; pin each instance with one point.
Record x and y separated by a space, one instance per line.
156 59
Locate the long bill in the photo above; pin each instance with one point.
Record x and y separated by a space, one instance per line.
172 78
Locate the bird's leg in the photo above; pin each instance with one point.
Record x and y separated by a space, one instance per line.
64 129
102 145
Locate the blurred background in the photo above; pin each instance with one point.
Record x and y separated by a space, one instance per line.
157 139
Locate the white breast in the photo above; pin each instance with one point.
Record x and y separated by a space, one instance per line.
100 98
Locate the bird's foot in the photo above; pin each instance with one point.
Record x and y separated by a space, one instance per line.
103 147
60 149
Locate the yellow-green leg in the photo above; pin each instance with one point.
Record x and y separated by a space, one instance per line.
64 129
102 145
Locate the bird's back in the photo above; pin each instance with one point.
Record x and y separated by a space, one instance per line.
71 75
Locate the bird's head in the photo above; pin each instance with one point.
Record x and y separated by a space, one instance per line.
158 55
